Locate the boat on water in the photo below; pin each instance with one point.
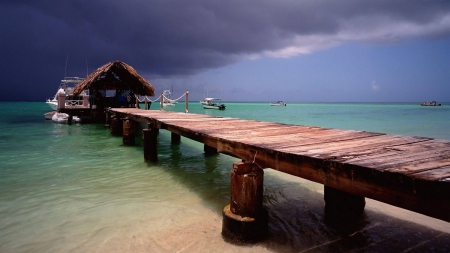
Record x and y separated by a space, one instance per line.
432 103
64 118
49 115
167 99
213 103
279 103
66 87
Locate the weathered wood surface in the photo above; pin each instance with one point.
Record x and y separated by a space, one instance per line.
408 172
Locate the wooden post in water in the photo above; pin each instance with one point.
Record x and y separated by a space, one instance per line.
340 206
107 118
128 132
149 136
175 138
116 126
245 219
186 102
209 150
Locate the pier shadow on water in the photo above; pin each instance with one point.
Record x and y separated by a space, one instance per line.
297 219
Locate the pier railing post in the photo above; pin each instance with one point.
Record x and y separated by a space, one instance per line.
149 136
128 132
186 106
245 219
161 102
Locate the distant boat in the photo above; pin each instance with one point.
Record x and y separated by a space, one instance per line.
213 103
432 103
167 99
279 103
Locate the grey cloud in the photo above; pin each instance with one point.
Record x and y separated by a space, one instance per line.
172 38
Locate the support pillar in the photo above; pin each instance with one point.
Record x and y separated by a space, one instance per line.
340 205
116 126
61 101
175 139
209 150
107 119
150 143
128 132
245 219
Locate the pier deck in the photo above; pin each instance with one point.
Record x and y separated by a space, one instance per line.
408 172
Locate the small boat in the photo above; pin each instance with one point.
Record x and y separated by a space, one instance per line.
49 115
279 103
213 103
64 118
432 103
167 99
66 87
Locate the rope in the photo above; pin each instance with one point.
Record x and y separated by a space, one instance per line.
184 94
148 100
254 158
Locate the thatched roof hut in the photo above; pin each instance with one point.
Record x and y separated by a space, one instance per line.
116 75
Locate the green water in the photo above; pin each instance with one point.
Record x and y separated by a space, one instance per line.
75 188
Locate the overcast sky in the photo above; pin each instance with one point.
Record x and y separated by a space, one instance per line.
257 50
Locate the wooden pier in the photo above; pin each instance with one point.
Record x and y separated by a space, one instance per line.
408 172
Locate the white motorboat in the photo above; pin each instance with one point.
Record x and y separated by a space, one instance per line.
64 118
279 103
66 87
213 103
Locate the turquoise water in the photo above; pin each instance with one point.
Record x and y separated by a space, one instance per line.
75 188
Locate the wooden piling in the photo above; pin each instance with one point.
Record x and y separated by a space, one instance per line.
175 139
209 150
107 119
149 136
340 205
116 126
128 132
245 219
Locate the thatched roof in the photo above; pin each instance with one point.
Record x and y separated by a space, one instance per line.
116 75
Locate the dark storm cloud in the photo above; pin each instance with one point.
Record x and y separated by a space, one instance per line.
172 38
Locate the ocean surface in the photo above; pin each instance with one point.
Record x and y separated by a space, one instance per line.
75 188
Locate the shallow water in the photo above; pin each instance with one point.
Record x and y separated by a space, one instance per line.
75 188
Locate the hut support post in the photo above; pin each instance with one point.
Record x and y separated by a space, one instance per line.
61 101
175 138
128 132
107 118
245 219
161 102
209 150
150 143
341 205
116 126
186 102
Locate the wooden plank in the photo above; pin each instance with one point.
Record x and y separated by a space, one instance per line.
437 174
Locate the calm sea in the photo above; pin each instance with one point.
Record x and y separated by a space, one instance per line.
75 188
